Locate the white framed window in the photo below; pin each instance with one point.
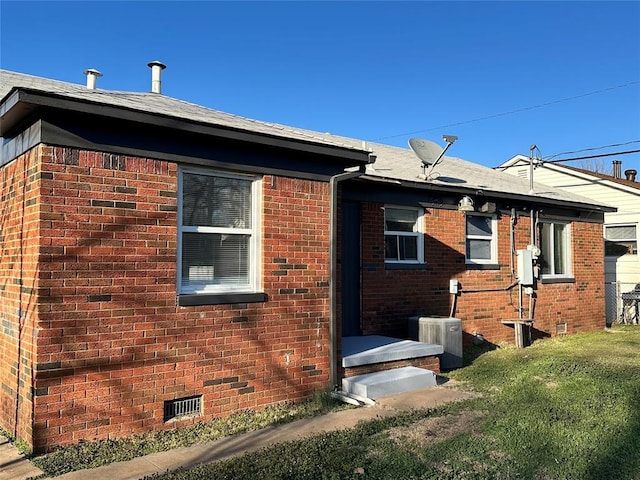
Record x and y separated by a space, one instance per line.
555 247
620 240
403 241
218 232
481 239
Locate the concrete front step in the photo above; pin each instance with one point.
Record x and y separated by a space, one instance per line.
369 349
389 382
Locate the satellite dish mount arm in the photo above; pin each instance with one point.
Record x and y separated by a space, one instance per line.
450 139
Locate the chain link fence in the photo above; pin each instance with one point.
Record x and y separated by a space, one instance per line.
622 302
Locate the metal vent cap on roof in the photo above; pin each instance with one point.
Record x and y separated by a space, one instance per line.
156 71
92 77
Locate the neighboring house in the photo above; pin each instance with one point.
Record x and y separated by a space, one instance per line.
621 229
162 263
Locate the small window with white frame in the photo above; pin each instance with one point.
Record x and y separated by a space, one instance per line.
620 240
218 244
555 247
403 241
481 239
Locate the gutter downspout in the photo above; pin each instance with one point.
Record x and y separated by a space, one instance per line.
333 268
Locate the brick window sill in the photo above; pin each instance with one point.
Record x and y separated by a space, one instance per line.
220 298
482 266
558 280
405 266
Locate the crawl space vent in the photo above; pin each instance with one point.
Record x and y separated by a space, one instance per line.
561 328
182 407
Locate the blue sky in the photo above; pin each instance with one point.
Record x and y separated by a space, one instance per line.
500 75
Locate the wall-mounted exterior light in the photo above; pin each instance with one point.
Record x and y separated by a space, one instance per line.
465 204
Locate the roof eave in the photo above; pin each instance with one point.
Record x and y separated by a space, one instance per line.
21 102
525 198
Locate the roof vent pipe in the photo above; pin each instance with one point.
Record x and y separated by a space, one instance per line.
156 69
92 78
617 168
631 174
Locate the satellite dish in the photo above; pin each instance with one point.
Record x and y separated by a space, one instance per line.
430 153
426 150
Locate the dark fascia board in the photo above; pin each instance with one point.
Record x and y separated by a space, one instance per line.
26 100
11 100
521 198
181 147
13 147
431 199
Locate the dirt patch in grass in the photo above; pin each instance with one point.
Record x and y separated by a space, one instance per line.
436 429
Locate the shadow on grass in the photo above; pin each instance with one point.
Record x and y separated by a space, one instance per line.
620 457
475 350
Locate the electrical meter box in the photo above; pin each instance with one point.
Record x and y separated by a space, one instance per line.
525 267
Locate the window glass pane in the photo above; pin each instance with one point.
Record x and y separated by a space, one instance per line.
545 248
546 245
216 201
477 225
625 232
617 249
554 248
408 248
214 259
391 247
479 249
620 240
559 260
400 220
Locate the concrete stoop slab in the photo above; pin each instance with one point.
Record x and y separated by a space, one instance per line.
389 382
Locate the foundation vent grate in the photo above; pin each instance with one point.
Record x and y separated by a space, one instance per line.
182 407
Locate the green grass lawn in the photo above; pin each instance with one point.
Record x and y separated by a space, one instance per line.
563 408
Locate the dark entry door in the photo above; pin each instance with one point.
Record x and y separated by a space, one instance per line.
350 259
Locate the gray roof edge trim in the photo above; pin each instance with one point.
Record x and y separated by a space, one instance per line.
37 97
9 101
505 195
12 148
512 162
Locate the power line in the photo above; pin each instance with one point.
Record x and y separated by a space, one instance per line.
592 156
549 157
511 112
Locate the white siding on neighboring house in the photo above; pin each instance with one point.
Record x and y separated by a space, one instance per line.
623 269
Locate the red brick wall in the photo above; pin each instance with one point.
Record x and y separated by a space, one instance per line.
580 305
390 297
429 363
19 232
113 345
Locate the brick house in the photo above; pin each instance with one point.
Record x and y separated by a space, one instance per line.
163 263
476 248
621 228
